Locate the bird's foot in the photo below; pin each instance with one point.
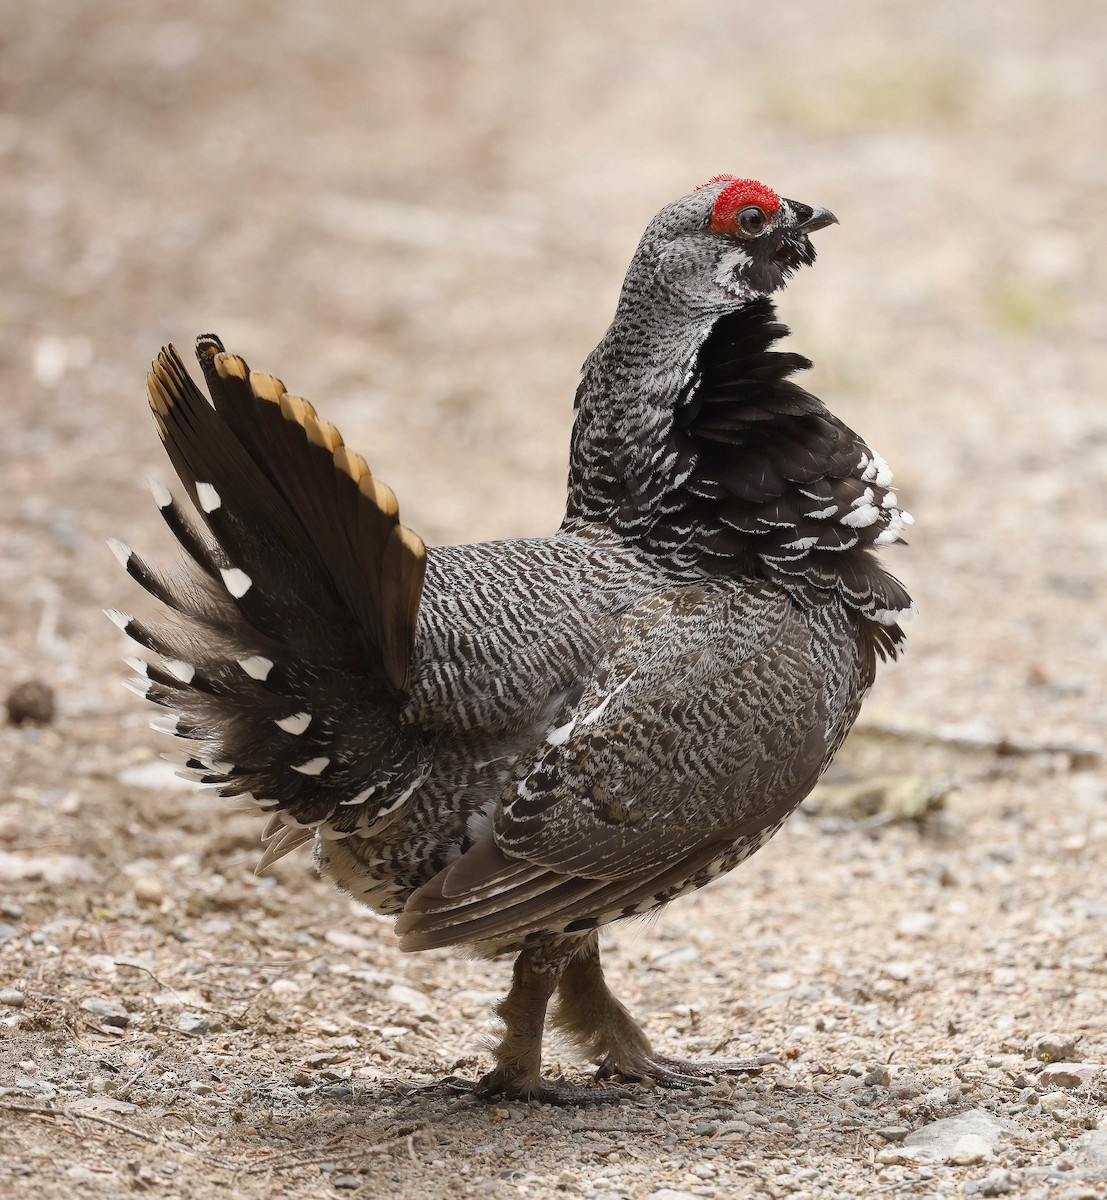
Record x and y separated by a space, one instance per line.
503 1085
680 1072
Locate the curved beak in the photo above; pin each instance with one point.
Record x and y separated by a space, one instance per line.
820 218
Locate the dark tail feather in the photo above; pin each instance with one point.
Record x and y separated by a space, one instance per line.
291 635
286 500
376 564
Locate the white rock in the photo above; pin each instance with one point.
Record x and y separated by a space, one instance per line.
970 1149
967 1138
1070 1075
1055 1102
54 868
347 941
409 998
1089 1154
1053 1047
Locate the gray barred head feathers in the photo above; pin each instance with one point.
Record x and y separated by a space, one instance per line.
730 239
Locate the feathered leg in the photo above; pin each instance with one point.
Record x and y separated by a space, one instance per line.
518 1070
589 1014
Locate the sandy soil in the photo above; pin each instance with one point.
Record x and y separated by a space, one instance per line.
419 216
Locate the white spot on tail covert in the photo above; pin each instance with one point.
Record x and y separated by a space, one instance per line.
295 724
163 498
209 498
237 582
257 666
119 619
314 766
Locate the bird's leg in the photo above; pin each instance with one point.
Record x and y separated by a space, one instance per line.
518 1070
589 1014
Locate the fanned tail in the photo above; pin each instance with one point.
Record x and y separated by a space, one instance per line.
292 633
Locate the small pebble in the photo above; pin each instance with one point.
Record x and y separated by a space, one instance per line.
194 1023
970 1149
996 1183
149 891
7 932
1070 1075
346 1181
107 1012
31 702
894 1133
1053 1047
199 1088
892 1155
409 998
321 1060
12 998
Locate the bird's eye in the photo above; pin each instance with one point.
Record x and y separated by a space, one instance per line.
750 221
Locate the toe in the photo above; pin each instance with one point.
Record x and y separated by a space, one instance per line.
496 1085
681 1072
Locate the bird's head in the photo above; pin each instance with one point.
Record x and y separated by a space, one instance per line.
732 239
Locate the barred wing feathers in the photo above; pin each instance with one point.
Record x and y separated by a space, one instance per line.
702 728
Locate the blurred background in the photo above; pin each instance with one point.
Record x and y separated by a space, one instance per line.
419 215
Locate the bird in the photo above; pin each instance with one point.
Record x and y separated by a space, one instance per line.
509 745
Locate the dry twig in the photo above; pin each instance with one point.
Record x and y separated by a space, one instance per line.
42 1110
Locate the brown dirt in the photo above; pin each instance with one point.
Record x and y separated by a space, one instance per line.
418 215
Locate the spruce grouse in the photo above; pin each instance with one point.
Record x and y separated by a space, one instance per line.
511 744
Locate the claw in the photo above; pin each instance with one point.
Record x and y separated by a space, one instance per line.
458 1083
682 1072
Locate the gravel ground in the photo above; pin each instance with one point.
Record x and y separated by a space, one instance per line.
419 216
